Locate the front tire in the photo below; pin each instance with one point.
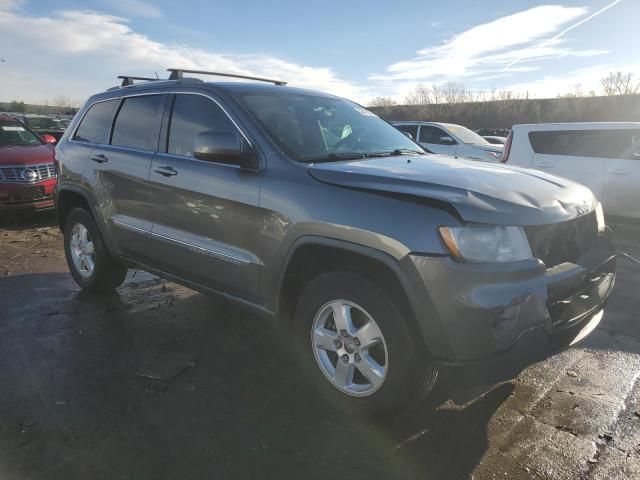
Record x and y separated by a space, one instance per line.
90 264
357 348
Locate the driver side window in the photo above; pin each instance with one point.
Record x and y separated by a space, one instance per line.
433 135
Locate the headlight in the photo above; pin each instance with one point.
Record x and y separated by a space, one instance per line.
487 244
600 217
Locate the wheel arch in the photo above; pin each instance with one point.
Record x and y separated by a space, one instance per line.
311 256
69 197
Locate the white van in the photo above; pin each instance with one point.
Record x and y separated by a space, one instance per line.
450 139
603 156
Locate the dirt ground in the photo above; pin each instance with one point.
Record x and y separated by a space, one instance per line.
160 382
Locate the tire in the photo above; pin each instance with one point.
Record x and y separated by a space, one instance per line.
405 375
107 272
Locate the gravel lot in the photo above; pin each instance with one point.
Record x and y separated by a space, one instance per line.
158 381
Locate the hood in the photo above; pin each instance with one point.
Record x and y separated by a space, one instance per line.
26 155
480 192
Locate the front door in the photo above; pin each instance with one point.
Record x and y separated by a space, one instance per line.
207 219
622 180
437 140
573 154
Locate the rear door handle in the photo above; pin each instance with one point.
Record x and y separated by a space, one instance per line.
543 165
167 171
99 158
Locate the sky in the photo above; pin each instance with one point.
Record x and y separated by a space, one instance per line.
359 49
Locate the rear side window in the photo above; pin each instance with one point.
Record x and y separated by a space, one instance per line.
619 143
194 114
138 123
410 129
96 123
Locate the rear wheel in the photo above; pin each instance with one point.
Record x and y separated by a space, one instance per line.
357 348
90 264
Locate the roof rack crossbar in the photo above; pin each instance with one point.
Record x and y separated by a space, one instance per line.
127 80
177 74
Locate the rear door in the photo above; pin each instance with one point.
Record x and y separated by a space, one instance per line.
410 129
622 182
436 140
207 221
120 171
573 154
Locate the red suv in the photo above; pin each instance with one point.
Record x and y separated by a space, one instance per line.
27 170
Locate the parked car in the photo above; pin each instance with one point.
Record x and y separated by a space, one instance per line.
603 156
495 140
27 170
493 132
450 139
44 125
383 265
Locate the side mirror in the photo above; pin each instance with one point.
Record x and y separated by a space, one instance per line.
225 147
446 140
408 135
49 139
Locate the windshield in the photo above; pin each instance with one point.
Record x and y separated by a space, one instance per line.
314 127
42 122
12 133
465 135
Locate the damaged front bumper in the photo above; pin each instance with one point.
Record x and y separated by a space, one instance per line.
494 321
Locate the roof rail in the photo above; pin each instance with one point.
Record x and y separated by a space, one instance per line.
177 74
127 80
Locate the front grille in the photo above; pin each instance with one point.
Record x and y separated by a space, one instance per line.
27 173
563 242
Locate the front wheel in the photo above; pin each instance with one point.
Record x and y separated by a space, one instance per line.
90 264
357 347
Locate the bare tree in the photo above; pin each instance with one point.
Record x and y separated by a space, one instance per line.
421 95
620 84
455 92
382 102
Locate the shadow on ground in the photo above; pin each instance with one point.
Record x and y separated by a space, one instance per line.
225 399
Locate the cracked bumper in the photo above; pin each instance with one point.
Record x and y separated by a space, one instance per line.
489 322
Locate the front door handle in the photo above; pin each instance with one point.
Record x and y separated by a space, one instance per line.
543 165
99 158
167 171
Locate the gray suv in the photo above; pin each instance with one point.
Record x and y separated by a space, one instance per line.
383 264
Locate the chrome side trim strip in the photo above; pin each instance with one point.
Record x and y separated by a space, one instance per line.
152 92
197 249
130 227
194 248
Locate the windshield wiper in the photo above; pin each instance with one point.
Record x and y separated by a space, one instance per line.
336 157
397 152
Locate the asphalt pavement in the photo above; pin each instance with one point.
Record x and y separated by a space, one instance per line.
159 382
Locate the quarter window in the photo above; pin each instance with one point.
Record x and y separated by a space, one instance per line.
138 123
194 114
96 124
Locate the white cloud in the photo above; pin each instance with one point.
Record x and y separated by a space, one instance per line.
491 46
134 8
76 53
584 79
6 5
